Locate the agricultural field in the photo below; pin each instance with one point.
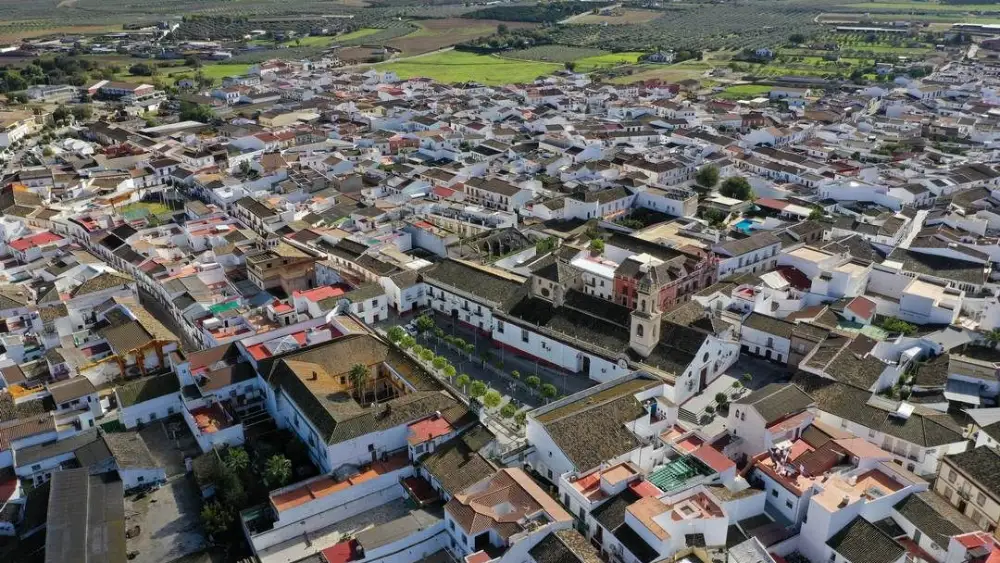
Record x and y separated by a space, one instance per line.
687 70
358 34
381 35
744 91
609 60
18 31
438 34
700 27
460 66
554 53
618 16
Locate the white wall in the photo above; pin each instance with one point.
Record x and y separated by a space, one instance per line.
556 352
149 411
133 478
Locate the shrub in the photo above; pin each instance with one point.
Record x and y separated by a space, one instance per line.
508 411
549 391
721 398
533 381
515 374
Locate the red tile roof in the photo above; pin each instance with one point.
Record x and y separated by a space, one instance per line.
37 239
714 458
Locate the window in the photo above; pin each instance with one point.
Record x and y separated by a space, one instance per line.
152 416
451 524
774 493
524 335
638 330
789 504
500 327
36 467
871 433
141 479
981 499
952 476
833 556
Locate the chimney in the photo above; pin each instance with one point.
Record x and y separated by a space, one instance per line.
315 376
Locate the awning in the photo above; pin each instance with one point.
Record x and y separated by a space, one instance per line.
962 391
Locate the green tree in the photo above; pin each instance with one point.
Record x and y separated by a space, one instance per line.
277 471
721 398
549 391
747 378
894 325
597 245
477 389
502 29
60 114
439 362
357 375
142 69
796 39
196 112
570 66
424 323
520 417
418 349
462 380
426 355
533 381
508 410
515 374
547 244
216 518
395 334
708 176
237 459
737 187
993 336
230 488
492 399
816 214
407 342
449 371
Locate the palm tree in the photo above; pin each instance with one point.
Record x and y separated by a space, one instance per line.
277 470
993 337
357 376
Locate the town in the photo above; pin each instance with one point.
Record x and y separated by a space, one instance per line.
325 314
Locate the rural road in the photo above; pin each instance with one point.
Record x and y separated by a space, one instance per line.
571 18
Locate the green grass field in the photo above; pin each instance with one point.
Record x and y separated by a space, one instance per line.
458 66
609 60
744 91
363 32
